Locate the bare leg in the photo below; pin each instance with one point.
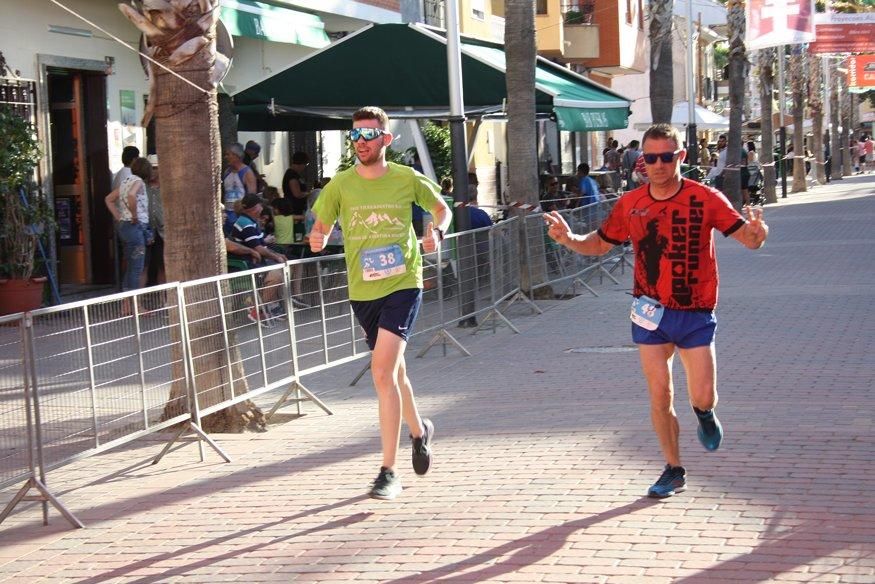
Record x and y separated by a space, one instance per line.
700 364
386 359
273 283
656 365
297 277
408 403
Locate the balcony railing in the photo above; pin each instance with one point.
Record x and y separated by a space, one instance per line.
577 11
433 13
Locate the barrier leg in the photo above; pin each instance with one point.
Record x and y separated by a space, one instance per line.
191 426
622 264
297 389
527 300
44 496
589 288
443 335
360 374
494 315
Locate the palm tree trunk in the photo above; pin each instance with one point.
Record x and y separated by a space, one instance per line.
182 38
797 83
661 65
767 157
737 71
815 105
522 156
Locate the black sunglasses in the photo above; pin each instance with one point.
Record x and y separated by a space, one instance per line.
367 133
666 157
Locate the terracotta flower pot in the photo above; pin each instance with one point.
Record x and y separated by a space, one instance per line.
21 295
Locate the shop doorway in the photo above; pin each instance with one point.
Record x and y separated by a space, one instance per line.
79 175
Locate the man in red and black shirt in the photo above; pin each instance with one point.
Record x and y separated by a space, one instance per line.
670 222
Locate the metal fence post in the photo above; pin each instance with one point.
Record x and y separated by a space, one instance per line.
34 438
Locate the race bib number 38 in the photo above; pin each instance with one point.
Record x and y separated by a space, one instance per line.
382 262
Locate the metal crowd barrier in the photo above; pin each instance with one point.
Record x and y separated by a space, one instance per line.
555 266
81 378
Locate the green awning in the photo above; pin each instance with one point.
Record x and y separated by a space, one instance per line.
409 80
273 23
580 105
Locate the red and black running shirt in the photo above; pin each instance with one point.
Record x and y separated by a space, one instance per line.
675 258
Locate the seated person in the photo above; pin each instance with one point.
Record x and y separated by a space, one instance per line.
245 254
247 232
551 198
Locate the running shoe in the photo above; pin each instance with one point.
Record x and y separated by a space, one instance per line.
710 429
672 480
386 486
422 448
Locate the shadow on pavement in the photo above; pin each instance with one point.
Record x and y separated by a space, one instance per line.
199 547
526 551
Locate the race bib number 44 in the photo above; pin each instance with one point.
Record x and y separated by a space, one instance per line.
382 262
646 313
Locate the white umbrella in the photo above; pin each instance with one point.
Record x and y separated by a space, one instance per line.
680 115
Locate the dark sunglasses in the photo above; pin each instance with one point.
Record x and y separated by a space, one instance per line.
367 133
666 157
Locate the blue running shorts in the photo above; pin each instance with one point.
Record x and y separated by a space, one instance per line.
683 328
396 313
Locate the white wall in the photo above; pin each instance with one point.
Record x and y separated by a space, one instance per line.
24 34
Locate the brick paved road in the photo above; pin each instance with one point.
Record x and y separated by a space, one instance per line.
543 454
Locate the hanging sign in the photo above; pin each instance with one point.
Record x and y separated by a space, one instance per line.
861 71
843 33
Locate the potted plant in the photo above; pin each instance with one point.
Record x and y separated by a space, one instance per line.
24 214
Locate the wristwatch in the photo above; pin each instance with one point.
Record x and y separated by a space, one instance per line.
440 233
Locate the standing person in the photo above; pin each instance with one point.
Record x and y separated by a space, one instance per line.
639 174
612 164
250 152
155 252
129 154
372 201
869 150
753 169
630 156
238 180
716 172
295 187
670 223
129 206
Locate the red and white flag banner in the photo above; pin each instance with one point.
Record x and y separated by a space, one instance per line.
771 23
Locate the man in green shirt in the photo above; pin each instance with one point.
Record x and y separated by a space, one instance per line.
372 202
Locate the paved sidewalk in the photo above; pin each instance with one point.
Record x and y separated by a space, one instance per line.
544 453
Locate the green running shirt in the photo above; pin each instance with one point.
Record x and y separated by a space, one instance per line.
376 215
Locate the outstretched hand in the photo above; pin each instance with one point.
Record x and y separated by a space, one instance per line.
756 227
557 228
